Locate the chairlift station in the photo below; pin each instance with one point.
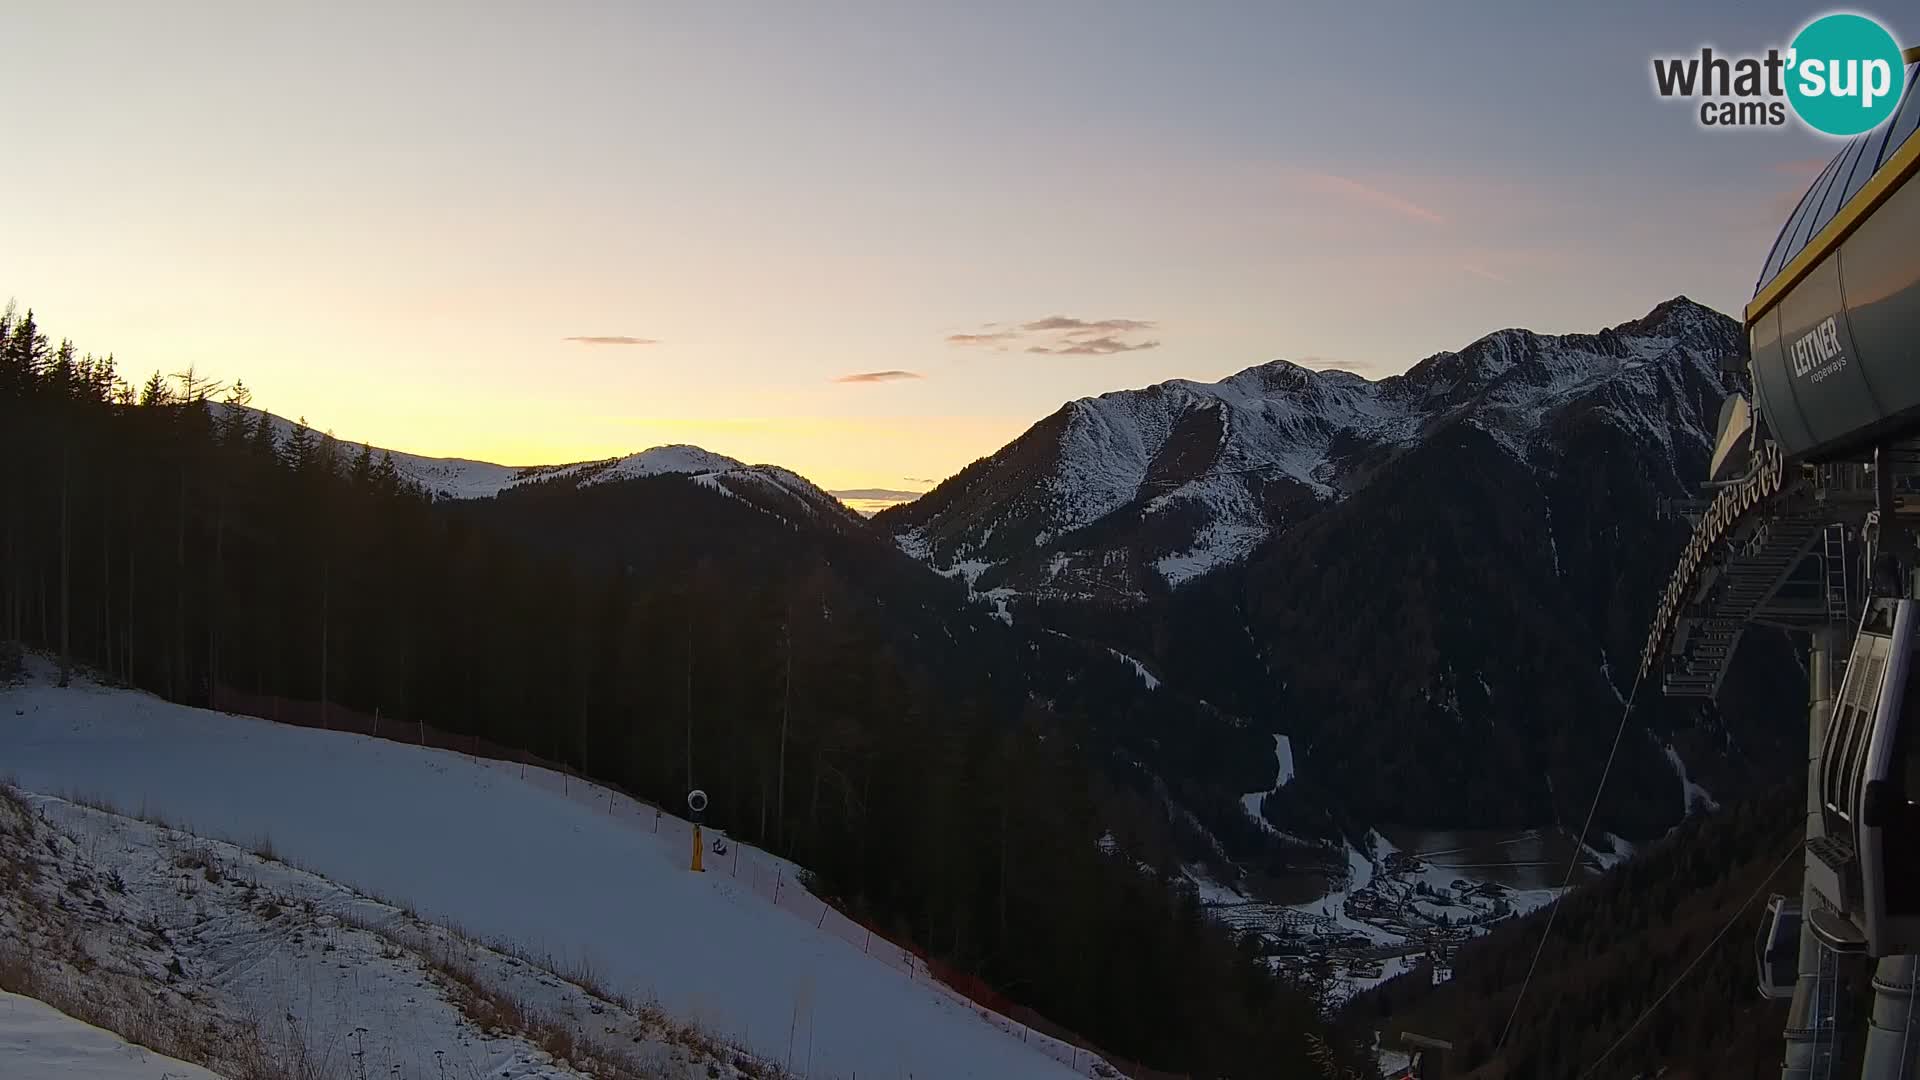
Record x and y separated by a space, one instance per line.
1812 525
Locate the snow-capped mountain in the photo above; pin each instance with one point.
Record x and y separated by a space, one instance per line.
1124 494
770 486
1420 581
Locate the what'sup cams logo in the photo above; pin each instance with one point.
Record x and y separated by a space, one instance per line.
1842 75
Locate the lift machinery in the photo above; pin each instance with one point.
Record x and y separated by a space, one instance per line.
1812 527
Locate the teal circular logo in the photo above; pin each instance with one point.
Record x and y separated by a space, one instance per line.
1844 74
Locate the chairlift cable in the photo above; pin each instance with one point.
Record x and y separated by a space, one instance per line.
1792 850
1573 862
1913 989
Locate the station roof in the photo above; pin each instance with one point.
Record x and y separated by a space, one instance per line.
1865 171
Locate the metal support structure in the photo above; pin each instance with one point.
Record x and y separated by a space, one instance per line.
1807 1017
1833 572
1892 1043
1827 1046
1888 577
1821 432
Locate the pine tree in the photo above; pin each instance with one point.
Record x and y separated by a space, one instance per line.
298 454
386 477
21 354
326 459
63 375
263 444
235 426
156 392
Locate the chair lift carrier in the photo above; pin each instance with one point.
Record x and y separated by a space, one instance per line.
1867 866
1776 951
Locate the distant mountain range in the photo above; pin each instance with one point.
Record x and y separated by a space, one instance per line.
1422 581
1434 584
768 486
1131 492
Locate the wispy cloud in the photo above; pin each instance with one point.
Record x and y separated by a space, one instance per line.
1063 335
1353 190
1324 363
870 501
1480 271
998 338
1063 322
610 339
1100 346
879 376
877 494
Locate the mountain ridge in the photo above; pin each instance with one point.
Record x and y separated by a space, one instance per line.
1199 475
461 479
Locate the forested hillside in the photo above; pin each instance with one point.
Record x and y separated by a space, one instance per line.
843 705
1424 581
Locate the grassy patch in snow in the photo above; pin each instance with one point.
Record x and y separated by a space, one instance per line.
122 925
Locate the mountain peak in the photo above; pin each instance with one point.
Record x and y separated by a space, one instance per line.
671 458
465 478
1136 490
1681 318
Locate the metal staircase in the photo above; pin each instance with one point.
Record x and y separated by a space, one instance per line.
1833 577
1748 579
1826 1015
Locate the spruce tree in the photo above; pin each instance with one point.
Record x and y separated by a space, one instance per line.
263 444
298 454
386 477
156 392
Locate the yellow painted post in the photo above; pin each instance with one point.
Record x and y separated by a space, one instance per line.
696 850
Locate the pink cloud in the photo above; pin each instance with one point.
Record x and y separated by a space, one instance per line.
1354 190
1064 335
879 376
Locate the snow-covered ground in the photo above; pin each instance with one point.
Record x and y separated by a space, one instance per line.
1283 760
1692 795
236 960
1139 669
39 1042
553 868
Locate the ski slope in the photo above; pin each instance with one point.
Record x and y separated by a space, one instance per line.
39 1042
555 868
249 967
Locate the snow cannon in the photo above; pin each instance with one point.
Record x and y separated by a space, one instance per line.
1428 1057
696 809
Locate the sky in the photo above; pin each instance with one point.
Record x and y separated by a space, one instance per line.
868 241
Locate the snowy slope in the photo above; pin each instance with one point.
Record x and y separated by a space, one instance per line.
1183 477
461 478
39 1042
1283 761
143 928
555 868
